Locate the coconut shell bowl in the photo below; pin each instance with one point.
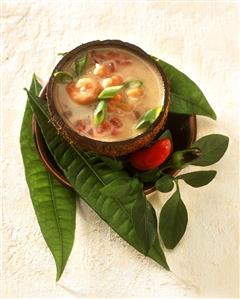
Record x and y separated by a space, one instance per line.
104 102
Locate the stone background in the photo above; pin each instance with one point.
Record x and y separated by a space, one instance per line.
199 38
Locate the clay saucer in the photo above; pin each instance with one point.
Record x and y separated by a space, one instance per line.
183 129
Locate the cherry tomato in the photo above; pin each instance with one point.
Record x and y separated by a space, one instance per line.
152 157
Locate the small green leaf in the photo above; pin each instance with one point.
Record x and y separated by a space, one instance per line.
164 184
166 134
145 223
62 53
133 83
148 176
173 220
186 96
198 178
100 112
113 163
110 92
149 117
80 64
63 77
213 147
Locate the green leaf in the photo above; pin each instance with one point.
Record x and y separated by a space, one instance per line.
62 53
88 175
148 118
166 134
186 96
123 185
145 223
198 178
110 92
54 204
164 184
213 147
63 77
133 83
100 112
148 176
80 64
114 163
173 221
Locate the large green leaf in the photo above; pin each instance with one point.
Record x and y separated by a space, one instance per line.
88 175
212 147
53 203
186 96
198 178
173 220
145 223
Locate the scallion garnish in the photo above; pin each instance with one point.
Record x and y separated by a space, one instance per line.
133 83
100 112
110 92
80 64
63 77
149 117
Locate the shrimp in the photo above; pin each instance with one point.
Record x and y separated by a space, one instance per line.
119 102
84 91
112 81
135 92
104 70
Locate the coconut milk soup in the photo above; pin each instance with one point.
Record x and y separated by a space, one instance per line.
111 95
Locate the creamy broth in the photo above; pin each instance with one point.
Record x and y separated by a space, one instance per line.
109 66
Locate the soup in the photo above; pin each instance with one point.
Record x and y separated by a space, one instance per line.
108 94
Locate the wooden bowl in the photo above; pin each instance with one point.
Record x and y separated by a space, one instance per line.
117 148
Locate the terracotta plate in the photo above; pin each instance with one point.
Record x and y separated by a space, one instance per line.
182 127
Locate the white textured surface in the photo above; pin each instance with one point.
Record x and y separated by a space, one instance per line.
198 38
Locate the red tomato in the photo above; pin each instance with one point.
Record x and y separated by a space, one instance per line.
114 132
153 156
116 122
80 125
104 127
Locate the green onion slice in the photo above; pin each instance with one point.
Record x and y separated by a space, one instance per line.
149 117
63 77
80 64
133 83
110 92
100 112
62 53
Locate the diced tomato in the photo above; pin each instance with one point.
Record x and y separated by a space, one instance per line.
80 125
116 122
114 132
113 54
125 62
111 106
104 127
90 132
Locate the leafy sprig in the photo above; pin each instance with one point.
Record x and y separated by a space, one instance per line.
108 176
173 216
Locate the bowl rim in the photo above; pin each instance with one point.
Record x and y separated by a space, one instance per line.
41 145
82 140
